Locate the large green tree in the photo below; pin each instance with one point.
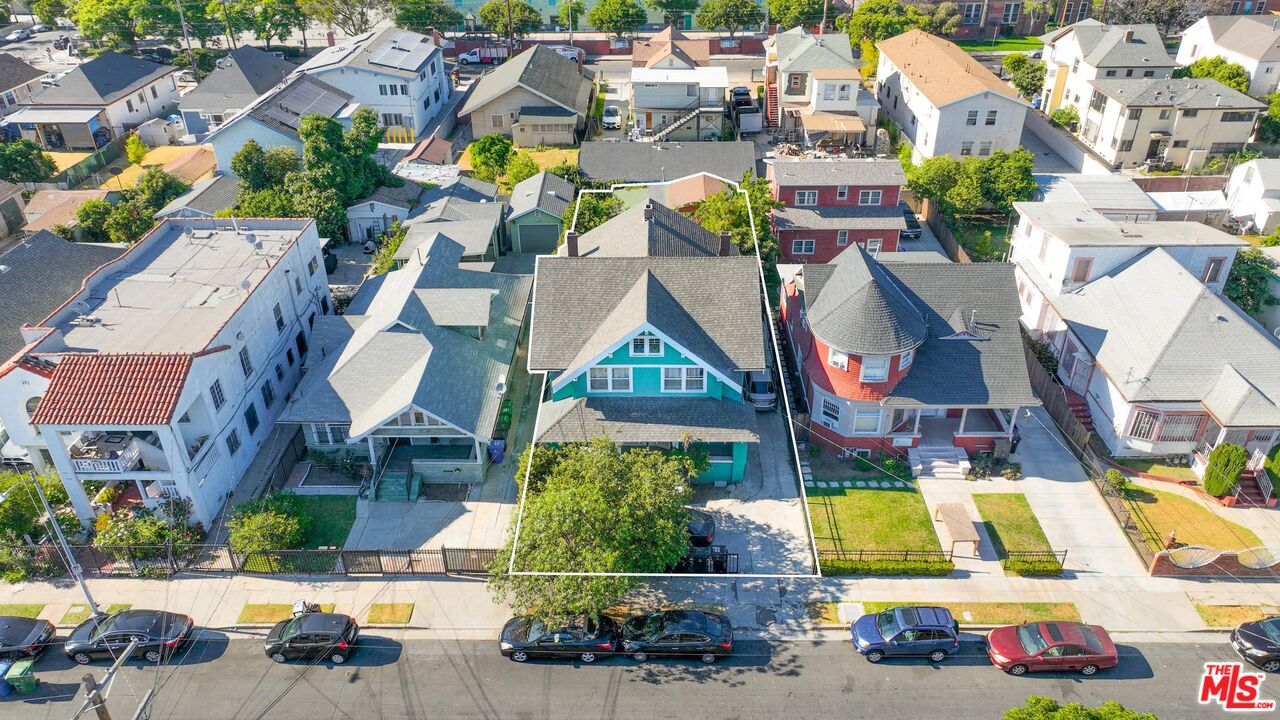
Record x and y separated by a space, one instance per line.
1026 74
110 21
790 13
964 186
489 156
732 15
571 12
49 10
1249 283
727 210
24 161
511 21
1043 708
259 169
596 510
591 211
1233 75
91 219
272 19
881 19
673 11
352 17
616 16
944 17
423 15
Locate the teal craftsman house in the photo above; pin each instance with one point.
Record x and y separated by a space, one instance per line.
647 338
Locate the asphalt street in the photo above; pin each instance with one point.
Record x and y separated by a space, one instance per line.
219 677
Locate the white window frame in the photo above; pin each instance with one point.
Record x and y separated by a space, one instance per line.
971 118
617 379
870 197
798 245
873 362
873 246
842 237
906 358
837 359
690 379
806 198
862 414
651 345
826 408
842 191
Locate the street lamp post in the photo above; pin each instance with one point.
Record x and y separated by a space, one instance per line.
62 539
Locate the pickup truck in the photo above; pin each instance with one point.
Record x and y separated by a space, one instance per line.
483 56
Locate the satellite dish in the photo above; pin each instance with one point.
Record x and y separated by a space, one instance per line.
81 307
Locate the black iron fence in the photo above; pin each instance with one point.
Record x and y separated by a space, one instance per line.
893 555
1035 562
166 560
885 562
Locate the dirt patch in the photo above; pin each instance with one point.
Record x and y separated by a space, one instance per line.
444 492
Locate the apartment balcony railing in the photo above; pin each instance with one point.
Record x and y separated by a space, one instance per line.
123 461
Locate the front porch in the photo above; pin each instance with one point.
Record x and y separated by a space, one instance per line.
54 128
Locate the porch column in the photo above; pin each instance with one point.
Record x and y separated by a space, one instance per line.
1013 422
373 455
919 412
62 462
964 415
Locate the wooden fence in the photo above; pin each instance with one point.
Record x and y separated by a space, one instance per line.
1054 399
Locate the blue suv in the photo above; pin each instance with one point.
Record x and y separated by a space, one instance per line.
907 631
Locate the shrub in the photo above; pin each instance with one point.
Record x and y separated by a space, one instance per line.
267 530
135 149
1226 462
835 566
1067 117
130 527
1043 352
1035 568
1011 471
1116 481
1273 463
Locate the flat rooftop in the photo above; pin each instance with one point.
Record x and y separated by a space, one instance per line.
176 288
1078 224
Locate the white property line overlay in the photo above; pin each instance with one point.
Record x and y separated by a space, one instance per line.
786 398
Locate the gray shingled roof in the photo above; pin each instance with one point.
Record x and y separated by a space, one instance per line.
668 234
1191 345
1189 93
389 43
475 236
1105 46
837 171
661 161
39 274
541 70
1253 36
858 308
953 298
646 419
206 197
236 84
869 217
14 72
545 191
387 353
801 51
102 81
707 305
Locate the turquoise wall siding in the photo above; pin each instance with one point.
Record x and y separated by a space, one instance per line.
727 472
647 381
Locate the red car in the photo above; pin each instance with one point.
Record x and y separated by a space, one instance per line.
1051 646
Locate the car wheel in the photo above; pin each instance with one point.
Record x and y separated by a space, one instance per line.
82 658
639 657
587 657
937 656
519 656
1271 666
708 658
1089 670
1018 670
278 657
153 656
337 658
875 656
463 62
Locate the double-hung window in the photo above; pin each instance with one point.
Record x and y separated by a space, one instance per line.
279 317
869 197
216 395
806 198
842 192
246 365
837 359
905 360
801 247
842 237
991 116
874 368
866 421
646 346
684 379
609 379
971 118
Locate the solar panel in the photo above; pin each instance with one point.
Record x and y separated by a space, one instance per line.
403 51
304 98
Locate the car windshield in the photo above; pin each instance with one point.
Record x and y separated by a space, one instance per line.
761 386
537 629
1031 640
291 628
887 624
1272 628
612 110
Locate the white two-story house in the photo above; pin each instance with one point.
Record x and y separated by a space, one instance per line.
1088 50
1253 194
98 101
813 89
1253 42
679 103
398 73
164 374
944 101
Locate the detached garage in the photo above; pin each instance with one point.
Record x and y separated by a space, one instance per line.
537 206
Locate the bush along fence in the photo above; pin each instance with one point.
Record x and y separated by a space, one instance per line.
19 562
886 562
1034 563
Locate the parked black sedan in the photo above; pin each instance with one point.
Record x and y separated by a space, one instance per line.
678 633
1259 643
587 638
702 528
160 634
313 635
24 637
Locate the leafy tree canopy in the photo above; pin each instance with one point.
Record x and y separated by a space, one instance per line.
20 513
1249 283
24 161
727 210
964 186
1043 708
520 167
731 15
489 156
110 21
790 13
881 19
1233 75
521 19
617 16
350 16
49 10
593 209
259 169
423 15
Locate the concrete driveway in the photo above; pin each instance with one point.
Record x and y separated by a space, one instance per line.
616 95
1046 159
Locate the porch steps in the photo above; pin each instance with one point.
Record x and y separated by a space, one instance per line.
942 463
1249 491
662 134
1080 408
395 487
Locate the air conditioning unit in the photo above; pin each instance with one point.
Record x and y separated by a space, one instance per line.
828 424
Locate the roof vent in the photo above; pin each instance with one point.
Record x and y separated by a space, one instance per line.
85 320
4 269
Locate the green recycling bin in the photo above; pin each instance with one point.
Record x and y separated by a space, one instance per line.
22 677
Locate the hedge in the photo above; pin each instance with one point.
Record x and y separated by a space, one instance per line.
1034 568
832 566
1226 462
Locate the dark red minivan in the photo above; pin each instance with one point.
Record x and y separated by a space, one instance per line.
1051 646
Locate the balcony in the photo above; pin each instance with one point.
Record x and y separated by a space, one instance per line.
113 453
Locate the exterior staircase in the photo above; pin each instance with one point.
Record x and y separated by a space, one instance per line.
773 118
662 134
1249 491
1080 408
398 486
943 463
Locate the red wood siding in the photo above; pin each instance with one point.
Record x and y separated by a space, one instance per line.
827 194
825 246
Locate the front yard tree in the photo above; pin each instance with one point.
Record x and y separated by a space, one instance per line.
1249 283
49 10
616 16
270 19
1226 462
790 13
510 18
24 161
731 15
597 510
673 11
727 210
1043 708
489 156
423 15
1006 177
881 19
350 16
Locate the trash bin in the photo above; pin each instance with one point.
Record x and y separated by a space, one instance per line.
497 449
22 677
5 688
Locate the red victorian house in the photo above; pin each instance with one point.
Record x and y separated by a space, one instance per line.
923 360
832 204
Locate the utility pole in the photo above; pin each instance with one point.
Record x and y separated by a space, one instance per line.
72 566
93 692
186 35
823 27
511 33
226 18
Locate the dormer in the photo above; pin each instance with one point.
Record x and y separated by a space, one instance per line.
465 310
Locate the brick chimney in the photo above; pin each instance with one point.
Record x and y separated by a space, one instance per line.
1128 35
648 211
726 243
571 243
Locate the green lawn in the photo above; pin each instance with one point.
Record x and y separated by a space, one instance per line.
971 233
78 613
871 519
1157 513
1023 43
993 613
331 519
272 612
24 610
1010 523
1175 472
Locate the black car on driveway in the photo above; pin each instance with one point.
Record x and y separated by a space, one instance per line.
586 638
1259 643
678 633
160 634
312 636
701 527
913 231
24 637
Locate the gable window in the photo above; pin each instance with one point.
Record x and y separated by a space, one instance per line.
830 410
233 441
806 197
874 368
842 238
684 379
1143 425
1080 271
1213 269
971 118
246 365
609 379
216 395
906 358
801 247
866 421
869 197
837 359
842 192
646 345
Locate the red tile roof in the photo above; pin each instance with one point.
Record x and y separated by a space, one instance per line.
113 389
